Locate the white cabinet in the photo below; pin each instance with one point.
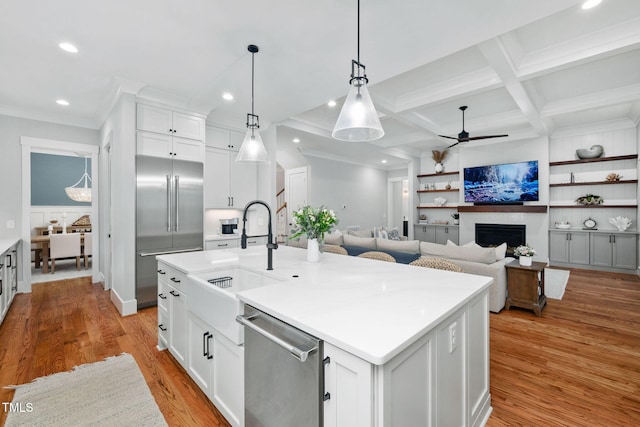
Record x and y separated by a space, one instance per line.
349 382
228 183
200 358
8 279
172 312
170 134
222 244
167 122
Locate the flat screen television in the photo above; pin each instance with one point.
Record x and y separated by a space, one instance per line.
508 183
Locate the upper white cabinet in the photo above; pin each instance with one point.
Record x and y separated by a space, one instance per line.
160 120
170 134
228 184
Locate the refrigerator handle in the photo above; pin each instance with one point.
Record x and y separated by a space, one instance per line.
169 203
177 184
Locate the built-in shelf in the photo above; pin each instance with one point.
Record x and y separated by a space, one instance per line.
438 174
592 206
573 184
451 190
504 208
599 159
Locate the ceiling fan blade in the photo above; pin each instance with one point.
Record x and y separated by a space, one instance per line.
473 138
454 144
450 137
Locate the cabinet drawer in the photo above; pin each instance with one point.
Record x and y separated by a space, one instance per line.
256 241
222 244
163 329
163 296
171 276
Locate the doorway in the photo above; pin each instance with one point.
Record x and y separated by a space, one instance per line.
46 146
398 204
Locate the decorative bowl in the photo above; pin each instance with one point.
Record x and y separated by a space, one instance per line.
563 225
592 153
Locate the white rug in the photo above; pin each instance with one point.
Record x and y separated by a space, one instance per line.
555 282
108 393
65 269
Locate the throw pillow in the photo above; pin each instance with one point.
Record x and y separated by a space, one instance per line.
394 234
334 238
501 250
362 233
408 246
363 242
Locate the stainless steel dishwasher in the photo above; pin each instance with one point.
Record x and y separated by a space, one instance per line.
284 377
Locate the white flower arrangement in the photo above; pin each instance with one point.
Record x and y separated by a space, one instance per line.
524 250
314 222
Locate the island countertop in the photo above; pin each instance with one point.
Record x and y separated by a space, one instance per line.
372 309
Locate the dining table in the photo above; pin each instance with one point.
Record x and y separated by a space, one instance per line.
42 243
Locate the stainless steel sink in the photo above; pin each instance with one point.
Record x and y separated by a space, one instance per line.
212 296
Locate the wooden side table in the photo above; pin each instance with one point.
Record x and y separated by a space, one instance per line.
525 286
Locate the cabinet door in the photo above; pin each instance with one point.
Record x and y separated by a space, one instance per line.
420 232
227 391
244 181
579 248
217 179
600 254
625 250
442 234
349 381
222 244
218 138
188 149
154 119
154 144
178 339
188 126
200 357
559 246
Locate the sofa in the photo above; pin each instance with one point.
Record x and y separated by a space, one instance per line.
472 258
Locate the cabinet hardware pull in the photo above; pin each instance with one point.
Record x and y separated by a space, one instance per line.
325 394
162 328
204 344
209 355
252 241
174 280
221 245
162 296
161 272
174 293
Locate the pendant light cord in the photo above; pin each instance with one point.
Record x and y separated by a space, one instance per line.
358 37
252 78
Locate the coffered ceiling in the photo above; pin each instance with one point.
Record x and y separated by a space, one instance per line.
526 68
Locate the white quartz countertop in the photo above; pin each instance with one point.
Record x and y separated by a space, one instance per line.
7 242
372 309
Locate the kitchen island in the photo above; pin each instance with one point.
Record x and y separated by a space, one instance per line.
408 345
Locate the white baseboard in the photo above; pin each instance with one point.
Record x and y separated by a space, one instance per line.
125 308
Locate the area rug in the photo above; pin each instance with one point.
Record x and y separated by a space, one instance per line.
108 393
555 282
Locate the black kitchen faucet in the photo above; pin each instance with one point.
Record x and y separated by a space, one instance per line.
270 245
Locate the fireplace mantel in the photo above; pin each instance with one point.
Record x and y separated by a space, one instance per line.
503 208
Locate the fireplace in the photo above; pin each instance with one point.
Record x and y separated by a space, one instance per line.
490 235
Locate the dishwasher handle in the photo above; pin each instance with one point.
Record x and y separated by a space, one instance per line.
298 353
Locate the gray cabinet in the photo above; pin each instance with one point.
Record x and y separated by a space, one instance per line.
569 247
616 250
436 233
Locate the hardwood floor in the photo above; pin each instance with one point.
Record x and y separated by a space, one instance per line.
576 365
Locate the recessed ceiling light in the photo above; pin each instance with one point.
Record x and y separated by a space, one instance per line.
331 103
590 3
68 47
296 140
384 161
227 96
62 102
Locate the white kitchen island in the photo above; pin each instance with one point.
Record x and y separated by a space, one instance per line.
409 346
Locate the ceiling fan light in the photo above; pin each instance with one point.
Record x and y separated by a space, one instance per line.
252 149
358 120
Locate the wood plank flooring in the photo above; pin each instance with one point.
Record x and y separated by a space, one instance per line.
576 365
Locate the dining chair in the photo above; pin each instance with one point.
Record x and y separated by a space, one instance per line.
87 249
64 246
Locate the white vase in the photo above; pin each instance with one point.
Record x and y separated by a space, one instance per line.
313 250
439 168
525 261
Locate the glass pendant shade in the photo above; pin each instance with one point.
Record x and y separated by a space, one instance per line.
252 149
80 194
358 119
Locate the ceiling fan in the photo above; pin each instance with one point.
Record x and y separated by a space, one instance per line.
464 135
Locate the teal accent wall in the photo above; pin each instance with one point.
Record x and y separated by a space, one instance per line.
50 174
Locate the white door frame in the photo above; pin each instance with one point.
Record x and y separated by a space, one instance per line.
50 146
390 182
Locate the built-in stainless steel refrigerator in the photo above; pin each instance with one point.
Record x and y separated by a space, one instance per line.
169 217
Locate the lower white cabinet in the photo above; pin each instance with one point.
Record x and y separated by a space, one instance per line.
598 250
616 250
217 366
8 279
221 244
177 325
572 247
172 312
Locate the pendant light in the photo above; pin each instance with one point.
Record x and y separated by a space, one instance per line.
80 194
358 119
252 149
